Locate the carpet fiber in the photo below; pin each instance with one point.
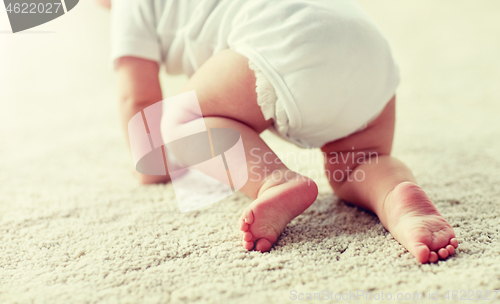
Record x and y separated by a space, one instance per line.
75 226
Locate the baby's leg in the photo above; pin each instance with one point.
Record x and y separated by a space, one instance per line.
225 88
376 181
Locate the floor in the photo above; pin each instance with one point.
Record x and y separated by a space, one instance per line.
76 226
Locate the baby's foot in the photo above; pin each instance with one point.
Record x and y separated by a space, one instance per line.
415 222
277 204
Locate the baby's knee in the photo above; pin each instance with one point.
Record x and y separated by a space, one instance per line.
181 117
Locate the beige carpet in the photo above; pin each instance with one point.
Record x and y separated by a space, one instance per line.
75 227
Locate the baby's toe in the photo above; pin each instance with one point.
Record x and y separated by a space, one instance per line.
421 252
450 249
247 236
433 257
243 226
443 253
263 245
247 216
247 245
454 242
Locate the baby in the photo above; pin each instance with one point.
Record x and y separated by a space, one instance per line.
317 73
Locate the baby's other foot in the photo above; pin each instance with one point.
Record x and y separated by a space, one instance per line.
415 222
279 202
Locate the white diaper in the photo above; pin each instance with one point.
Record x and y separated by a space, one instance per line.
272 108
330 75
270 105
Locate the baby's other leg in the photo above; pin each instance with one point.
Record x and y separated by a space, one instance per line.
376 181
225 87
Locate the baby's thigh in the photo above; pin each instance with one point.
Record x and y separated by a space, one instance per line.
225 87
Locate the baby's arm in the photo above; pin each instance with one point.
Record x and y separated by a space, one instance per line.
138 88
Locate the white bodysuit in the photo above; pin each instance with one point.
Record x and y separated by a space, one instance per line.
331 68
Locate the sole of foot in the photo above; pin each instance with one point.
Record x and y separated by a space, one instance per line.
416 224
